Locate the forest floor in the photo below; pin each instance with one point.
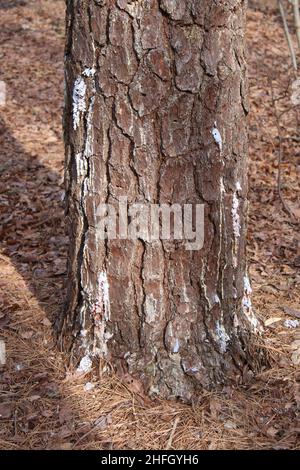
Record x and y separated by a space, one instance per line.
44 404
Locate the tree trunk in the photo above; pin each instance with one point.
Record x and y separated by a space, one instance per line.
156 104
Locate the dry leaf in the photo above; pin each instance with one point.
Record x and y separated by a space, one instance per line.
230 425
47 413
296 354
272 320
4 321
5 410
34 397
295 96
291 311
215 407
297 394
133 384
296 210
61 446
46 322
2 353
27 334
103 422
65 446
65 414
65 432
271 431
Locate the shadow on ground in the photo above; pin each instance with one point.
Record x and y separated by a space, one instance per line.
32 221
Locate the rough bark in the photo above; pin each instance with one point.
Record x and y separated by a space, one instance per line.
156 104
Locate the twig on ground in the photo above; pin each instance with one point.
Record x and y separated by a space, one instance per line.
297 20
99 424
287 35
280 153
170 440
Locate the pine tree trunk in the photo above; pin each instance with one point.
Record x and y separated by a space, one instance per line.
156 104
